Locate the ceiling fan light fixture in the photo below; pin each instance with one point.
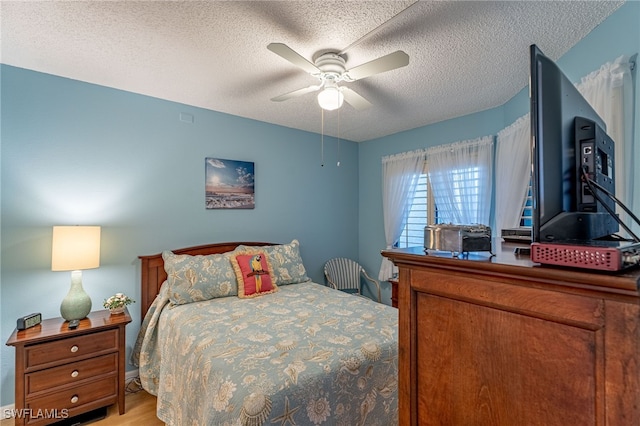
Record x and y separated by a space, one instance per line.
330 98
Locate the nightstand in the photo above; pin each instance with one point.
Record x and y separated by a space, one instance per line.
62 373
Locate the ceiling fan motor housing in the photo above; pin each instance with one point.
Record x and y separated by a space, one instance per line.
331 63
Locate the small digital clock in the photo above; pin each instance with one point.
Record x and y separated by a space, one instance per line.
29 321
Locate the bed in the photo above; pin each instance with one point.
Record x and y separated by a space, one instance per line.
295 352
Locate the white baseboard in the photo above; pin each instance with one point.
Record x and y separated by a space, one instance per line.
6 410
130 375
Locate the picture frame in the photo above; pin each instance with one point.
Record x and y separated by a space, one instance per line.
229 184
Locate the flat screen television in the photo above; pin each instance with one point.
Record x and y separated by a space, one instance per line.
568 139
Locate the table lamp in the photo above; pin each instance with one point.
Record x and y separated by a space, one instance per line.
75 248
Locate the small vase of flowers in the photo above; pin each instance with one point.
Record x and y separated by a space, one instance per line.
117 303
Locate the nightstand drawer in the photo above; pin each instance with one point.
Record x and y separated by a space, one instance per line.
90 395
66 350
70 373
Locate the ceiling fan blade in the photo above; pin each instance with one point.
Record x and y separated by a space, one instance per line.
292 56
296 93
385 63
354 99
378 28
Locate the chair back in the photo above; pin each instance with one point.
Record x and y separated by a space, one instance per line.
343 273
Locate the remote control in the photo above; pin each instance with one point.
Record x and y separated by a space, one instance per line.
73 324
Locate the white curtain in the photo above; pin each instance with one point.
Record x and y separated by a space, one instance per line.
513 173
609 90
460 175
399 177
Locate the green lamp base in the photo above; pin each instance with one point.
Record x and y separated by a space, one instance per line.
77 303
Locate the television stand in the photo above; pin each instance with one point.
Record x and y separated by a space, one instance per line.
503 341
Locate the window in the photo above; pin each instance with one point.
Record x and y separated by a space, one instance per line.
423 211
463 187
525 218
454 186
419 214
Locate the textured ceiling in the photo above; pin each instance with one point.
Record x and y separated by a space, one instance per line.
464 56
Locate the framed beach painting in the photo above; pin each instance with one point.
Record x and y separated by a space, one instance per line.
229 184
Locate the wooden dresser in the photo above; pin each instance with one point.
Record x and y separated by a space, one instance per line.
502 341
61 373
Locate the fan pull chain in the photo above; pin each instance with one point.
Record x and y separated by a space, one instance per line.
322 137
338 138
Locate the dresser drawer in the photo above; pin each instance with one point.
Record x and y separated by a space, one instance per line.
85 397
66 350
70 373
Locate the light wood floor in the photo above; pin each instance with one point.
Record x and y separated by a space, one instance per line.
140 410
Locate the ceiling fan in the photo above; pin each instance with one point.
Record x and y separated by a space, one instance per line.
330 69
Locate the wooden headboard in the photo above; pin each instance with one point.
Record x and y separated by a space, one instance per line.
153 273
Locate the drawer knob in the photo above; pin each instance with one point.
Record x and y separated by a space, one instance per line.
74 373
74 399
74 349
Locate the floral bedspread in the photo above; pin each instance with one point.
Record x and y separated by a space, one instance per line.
305 355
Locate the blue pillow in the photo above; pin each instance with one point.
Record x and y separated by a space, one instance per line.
195 278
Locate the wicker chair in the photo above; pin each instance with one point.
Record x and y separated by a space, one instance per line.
345 275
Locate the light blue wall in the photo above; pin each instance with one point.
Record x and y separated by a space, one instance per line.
618 35
76 153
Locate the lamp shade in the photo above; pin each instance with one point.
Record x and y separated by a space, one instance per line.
330 98
75 248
